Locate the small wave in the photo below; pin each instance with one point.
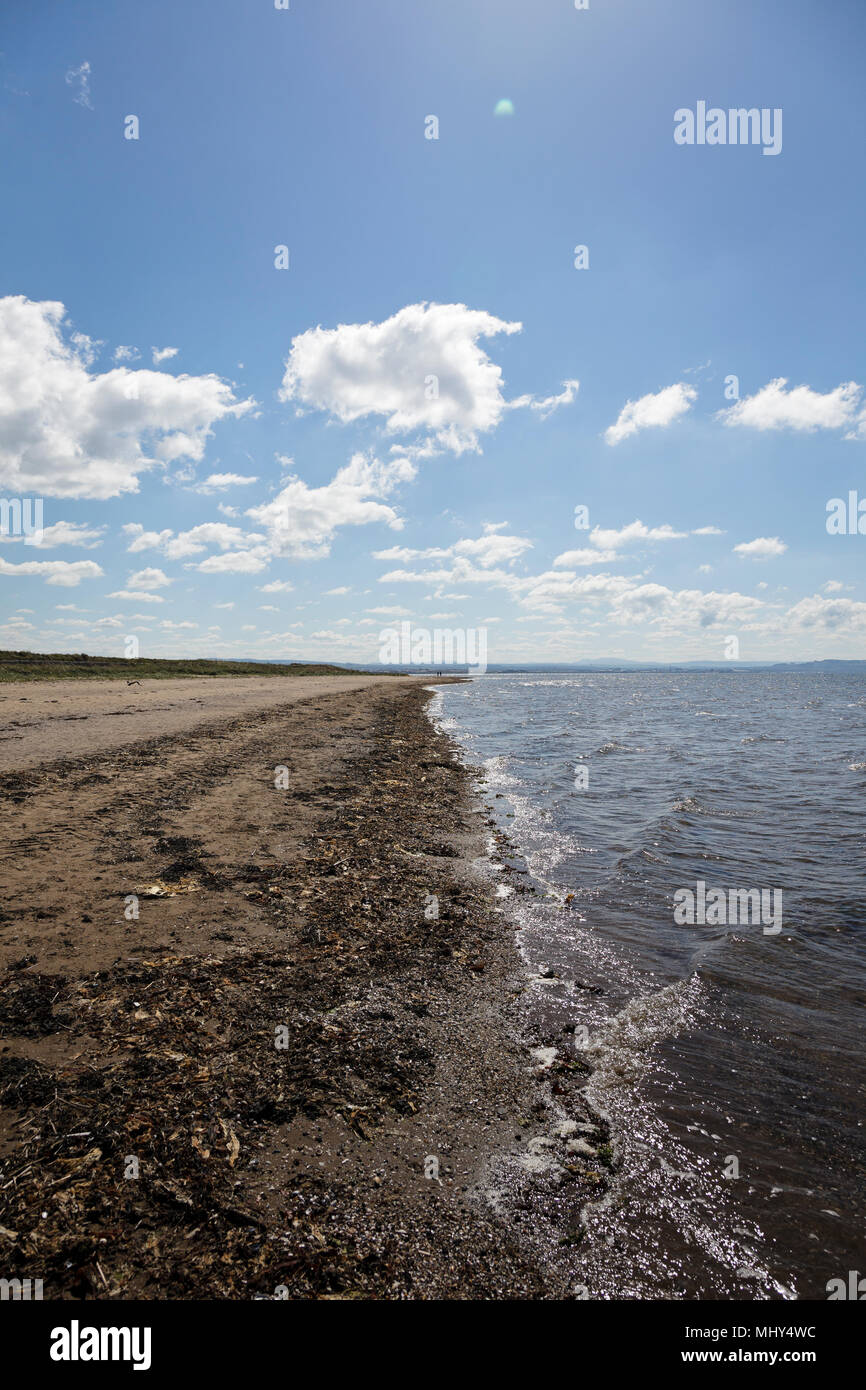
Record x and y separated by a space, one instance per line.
857 767
643 856
650 857
690 806
621 1054
496 763
494 772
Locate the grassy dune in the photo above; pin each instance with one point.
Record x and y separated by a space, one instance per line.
36 666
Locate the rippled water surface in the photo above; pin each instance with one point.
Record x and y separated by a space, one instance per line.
729 1059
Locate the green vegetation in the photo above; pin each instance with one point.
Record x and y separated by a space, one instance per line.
36 666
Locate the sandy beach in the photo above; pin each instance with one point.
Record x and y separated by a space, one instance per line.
43 721
244 1054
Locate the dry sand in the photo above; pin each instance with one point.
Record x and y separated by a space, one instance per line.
301 1170
41 721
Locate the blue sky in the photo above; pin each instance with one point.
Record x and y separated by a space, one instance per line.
321 461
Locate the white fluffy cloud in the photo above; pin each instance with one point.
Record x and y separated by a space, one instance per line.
801 408
492 548
422 369
61 533
486 550
762 548
401 553
570 559
219 482
684 608
651 411
301 521
546 405
193 542
236 562
148 579
843 615
606 544
66 431
136 596
630 602
67 573
626 601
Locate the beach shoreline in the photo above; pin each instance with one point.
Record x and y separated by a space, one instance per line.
260 1021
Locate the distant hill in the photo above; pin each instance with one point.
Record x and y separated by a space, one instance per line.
24 666
613 665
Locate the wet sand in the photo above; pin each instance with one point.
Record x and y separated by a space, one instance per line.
287 1075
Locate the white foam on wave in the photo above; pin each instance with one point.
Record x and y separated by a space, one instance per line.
621 1052
495 773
